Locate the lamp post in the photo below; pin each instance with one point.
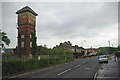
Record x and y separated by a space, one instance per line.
109 47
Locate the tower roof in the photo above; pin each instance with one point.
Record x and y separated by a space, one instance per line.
26 8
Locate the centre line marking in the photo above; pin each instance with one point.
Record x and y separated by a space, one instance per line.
64 72
77 66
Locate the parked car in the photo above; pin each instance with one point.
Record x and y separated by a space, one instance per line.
93 54
84 56
89 55
103 59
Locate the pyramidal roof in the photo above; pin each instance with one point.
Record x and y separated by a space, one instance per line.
26 8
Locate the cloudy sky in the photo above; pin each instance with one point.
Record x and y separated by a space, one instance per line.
95 22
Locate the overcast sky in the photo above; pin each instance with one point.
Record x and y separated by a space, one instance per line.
95 22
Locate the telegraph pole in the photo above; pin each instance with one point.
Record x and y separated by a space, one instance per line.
109 47
109 43
112 45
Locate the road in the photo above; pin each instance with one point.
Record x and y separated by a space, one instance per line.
80 68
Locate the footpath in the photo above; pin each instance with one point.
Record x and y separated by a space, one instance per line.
109 71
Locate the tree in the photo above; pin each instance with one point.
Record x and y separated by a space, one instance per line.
34 44
4 39
103 50
41 50
57 51
69 43
106 50
118 47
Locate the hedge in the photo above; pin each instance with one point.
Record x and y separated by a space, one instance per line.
13 66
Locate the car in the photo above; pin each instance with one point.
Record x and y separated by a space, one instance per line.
89 55
103 59
92 54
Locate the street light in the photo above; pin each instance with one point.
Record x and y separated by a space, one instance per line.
82 43
109 47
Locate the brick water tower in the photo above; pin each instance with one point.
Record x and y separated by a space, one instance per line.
26 26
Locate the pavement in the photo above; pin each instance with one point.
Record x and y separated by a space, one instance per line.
109 71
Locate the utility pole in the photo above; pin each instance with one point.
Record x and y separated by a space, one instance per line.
109 47
112 45
109 43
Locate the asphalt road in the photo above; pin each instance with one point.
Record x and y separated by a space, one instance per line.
80 68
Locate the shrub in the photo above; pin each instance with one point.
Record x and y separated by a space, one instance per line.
57 56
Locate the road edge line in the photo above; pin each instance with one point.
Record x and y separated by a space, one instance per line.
38 70
95 76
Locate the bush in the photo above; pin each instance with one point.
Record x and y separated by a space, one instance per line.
14 66
57 56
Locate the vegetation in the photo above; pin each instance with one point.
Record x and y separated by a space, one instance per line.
119 48
4 39
56 56
117 52
34 44
106 50
41 50
18 65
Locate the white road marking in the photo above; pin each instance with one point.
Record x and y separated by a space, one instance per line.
64 72
86 68
66 63
95 76
77 65
19 75
109 77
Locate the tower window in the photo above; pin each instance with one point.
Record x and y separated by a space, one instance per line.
22 44
30 44
30 36
22 36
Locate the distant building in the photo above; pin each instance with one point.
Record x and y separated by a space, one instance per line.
1 51
66 46
91 50
9 50
77 49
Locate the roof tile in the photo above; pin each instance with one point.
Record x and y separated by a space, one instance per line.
26 8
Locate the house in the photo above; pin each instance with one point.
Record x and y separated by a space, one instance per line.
66 46
77 49
90 50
